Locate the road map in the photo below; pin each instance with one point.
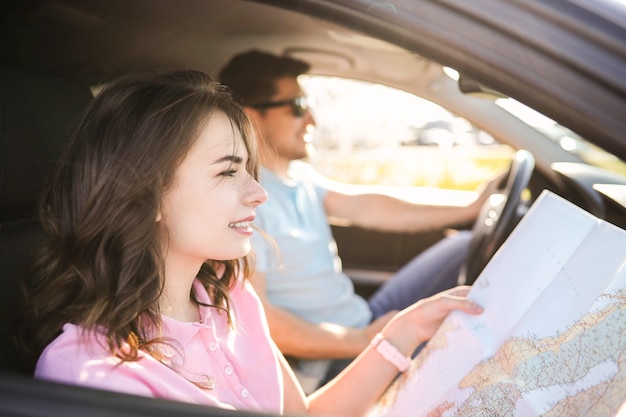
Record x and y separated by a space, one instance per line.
552 339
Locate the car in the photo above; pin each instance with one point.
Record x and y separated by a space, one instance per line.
564 60
449 132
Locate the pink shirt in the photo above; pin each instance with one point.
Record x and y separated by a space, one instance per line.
237 368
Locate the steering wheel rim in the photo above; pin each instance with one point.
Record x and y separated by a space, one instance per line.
498 217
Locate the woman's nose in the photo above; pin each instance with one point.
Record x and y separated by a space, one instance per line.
256 194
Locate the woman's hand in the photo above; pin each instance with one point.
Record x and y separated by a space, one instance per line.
357 387
419 322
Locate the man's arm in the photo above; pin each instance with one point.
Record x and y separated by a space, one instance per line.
383 212
297 337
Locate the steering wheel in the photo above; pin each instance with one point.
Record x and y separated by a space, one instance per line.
498 217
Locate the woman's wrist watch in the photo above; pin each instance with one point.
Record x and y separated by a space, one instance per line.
390 353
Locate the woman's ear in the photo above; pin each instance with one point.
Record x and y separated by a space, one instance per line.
159 216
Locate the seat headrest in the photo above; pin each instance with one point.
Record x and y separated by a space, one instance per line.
37 112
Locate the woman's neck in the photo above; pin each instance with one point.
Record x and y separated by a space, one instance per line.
181 310
176 297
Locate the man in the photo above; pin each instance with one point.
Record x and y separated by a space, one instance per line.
312 309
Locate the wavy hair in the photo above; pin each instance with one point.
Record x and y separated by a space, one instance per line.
102 264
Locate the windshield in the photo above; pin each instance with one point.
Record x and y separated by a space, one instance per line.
371 134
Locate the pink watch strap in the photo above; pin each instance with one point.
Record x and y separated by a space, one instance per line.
390 353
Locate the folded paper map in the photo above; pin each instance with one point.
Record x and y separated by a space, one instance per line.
552 338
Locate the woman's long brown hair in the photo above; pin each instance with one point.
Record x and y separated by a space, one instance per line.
102 264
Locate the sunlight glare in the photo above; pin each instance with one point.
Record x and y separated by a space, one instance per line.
452 73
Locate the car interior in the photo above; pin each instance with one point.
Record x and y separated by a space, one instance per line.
38 112
57 53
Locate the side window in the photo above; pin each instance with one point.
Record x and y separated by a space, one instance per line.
370 134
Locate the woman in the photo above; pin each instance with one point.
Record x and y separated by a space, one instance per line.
142 283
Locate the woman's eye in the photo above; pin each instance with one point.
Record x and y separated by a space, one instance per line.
229 173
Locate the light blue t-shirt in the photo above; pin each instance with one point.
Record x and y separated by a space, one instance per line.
302 267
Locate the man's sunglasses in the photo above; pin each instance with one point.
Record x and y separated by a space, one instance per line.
299 105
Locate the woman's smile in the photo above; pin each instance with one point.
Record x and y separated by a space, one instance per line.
243 226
